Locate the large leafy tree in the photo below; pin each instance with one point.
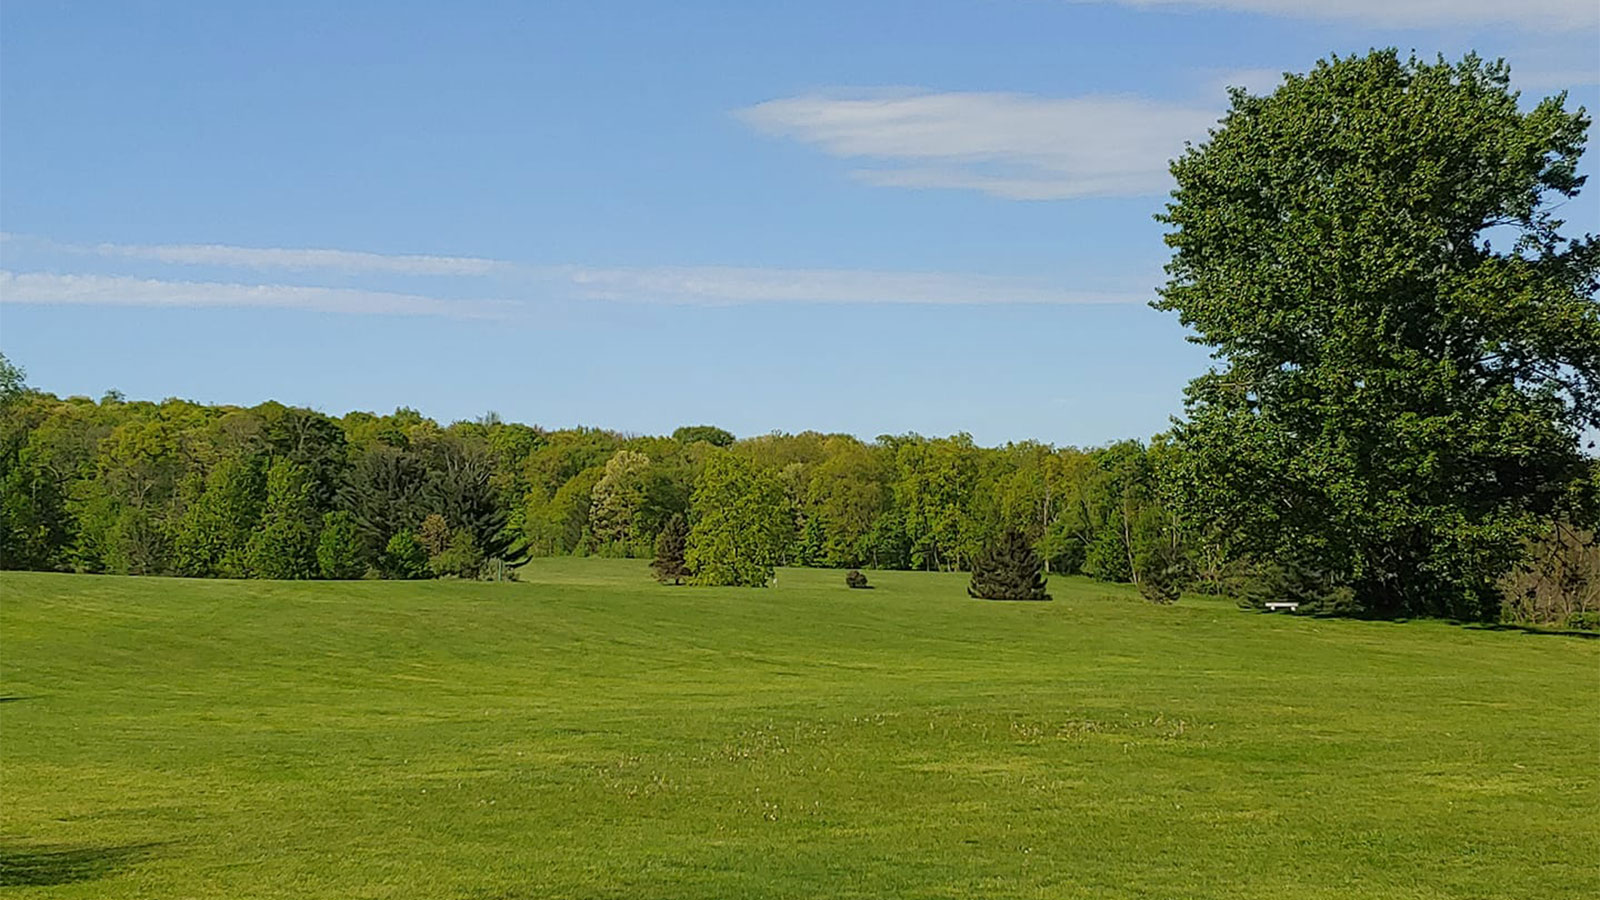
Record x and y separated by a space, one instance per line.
1408 349
742 523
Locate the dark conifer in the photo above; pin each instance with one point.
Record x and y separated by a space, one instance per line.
1008 570
670 546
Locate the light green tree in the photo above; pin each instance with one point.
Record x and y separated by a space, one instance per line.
285 544
742 523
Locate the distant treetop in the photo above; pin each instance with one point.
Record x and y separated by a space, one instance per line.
711 434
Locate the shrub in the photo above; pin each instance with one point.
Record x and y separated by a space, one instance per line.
403 557
460 559
434 535
855 579
1162 586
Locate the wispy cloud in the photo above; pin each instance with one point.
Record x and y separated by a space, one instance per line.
733 285
305 259
50 289
1544 15
1018 146
682 285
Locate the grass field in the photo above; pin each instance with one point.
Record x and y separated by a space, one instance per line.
586 733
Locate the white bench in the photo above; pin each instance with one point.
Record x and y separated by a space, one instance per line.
1276 605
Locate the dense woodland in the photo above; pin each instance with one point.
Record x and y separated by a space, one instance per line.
281 492
1395 423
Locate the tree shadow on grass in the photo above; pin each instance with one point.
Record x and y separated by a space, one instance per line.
1533 629
51 864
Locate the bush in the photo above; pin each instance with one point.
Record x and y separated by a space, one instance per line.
403 557
434 534
1584 621
855 579
461 558
1163 586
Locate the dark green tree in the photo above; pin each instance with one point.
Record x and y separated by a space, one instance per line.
383 494
670 546
1408 349
711 434
460 488
1009 569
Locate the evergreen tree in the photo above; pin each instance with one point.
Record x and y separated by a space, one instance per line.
1008 570
460 489
670 546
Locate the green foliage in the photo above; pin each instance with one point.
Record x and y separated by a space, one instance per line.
1397 402
617 502
1254 584
742 523
1008 570
13 381
710 434
383 493
36 528
460 487
461 557
434 534
135 544
284 546
214 530
671 545
403 557
339 555
933 492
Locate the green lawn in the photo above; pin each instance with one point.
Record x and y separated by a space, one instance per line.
586 733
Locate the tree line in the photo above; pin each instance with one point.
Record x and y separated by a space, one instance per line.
273 491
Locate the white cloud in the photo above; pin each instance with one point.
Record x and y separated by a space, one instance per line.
42 288
696 285
351 261
1017 146
1551 15
717 285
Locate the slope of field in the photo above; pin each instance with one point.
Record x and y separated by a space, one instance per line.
586 733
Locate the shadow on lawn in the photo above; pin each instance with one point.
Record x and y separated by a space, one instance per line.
1535 629
51 864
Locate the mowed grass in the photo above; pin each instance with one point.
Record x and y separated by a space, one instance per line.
587 733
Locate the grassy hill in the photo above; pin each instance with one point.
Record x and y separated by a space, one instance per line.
586 733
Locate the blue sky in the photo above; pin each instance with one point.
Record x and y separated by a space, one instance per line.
862 217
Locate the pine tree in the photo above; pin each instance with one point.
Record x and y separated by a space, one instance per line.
1008 570
670 545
